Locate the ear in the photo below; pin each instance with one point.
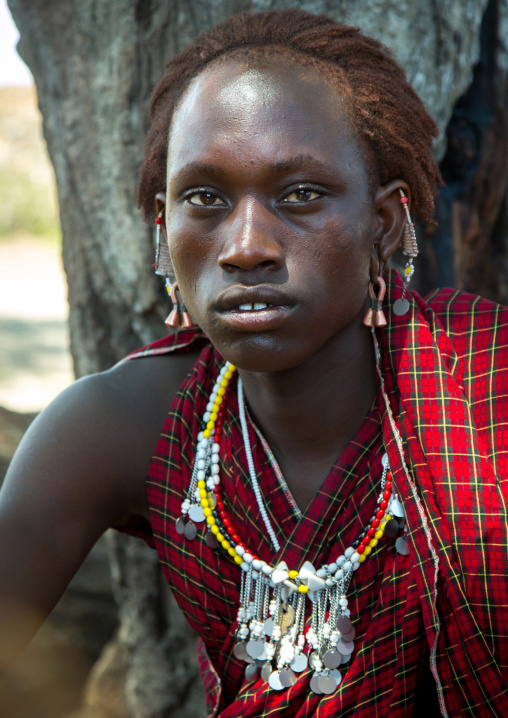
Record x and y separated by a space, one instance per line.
390 218
160 206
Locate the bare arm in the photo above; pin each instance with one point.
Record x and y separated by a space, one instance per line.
79 470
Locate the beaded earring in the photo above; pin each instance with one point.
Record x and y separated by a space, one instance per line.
375 317
409 249
179 316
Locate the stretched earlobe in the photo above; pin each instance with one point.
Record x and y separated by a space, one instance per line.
390 220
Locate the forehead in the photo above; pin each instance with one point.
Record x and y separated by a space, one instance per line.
276 108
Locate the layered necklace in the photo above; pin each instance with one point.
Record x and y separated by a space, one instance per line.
272 634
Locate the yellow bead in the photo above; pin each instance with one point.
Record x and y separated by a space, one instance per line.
378 534
215 530
226 544
202 494
231 551
366 551
210 521
303 589
373 542
238 559
219 400
407 270
204 503
213 416
207 433
228 375
232 367
215 409
293 574
221 391
207 512
220 537
224 383
210 425
362 557
201 484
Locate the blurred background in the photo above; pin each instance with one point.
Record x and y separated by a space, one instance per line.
35 365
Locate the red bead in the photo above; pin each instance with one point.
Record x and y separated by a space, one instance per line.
383 505
371 532
236 538
222 514
388 486
387 495
376 523
158 220
361 548
380 514
226 522
403 200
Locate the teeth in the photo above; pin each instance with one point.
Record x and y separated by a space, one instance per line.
251 307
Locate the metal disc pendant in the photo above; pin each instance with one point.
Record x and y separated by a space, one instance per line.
196 513
240 652
392 528
212 500
397 509
345 659
266 671
401 546
211 540
190 531
344 624
254 648
400 307
299 663
347 637
327 685
314 684
384 460
345 647
268 627
180 525
287 677
274 681
332 659
312 659
251 672
337 677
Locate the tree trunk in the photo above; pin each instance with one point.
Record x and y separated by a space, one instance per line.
95 64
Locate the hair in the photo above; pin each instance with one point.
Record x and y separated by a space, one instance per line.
389 117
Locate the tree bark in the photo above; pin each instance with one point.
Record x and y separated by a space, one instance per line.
95 64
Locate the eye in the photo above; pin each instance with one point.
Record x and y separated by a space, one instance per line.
204 198
301 195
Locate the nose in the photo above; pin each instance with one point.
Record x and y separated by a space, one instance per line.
250 239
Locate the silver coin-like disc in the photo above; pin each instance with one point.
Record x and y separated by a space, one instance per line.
384 460
347 637
240 652
345 659
251 672
211 540
254 648
344 624
332 659
401 546
212 500
274 681
314 684
337 677
327 685
392 528
344 647
268 627
299 663
190 531
180 525
400 307
397 509
196 513
266 671
313 657
287 677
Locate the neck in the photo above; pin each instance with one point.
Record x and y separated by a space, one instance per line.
310 413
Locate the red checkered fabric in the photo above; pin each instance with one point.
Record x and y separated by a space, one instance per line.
446 604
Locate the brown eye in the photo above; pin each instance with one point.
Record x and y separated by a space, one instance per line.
205 199
301 195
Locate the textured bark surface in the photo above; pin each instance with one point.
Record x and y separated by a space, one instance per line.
95 64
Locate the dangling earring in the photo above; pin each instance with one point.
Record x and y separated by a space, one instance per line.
163 266
178 316
375 317
410 249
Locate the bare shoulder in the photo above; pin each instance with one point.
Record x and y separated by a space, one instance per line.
98 436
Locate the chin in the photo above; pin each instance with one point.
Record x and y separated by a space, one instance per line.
264 354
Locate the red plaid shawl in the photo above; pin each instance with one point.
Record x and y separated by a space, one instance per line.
447 380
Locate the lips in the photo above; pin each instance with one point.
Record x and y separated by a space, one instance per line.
259 308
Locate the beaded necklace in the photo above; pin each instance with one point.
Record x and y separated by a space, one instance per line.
271 633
